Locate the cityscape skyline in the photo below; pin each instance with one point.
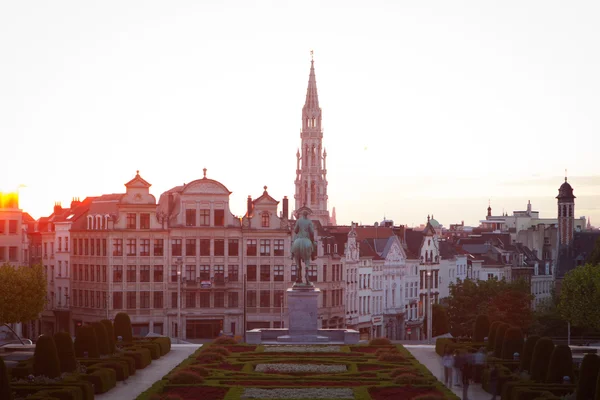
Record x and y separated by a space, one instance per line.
420 111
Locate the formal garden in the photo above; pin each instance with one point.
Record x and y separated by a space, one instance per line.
66 369
226 369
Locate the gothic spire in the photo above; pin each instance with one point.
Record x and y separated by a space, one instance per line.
312 98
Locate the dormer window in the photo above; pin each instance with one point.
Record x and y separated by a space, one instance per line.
265 220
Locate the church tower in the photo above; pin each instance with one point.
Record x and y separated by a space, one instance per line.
566 211
311 169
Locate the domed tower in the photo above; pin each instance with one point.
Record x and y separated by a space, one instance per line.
566 212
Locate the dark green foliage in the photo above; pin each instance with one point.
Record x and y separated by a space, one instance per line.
123 327
439 324
86 341
101 337
492 335
5 391
103 379
45 357
481 328
541 359
527 352
110 335
586 384
513 343
372 342
66 351
561 364
499 339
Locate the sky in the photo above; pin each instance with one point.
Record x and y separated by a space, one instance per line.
432 107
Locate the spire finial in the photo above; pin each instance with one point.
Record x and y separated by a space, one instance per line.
137 172
312 55
204 170
565 174
427 218
265 187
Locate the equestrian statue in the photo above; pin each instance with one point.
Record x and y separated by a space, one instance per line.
303 246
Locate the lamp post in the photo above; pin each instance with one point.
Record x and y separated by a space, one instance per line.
179 263
429 319
281 310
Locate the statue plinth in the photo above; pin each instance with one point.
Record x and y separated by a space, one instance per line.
302 302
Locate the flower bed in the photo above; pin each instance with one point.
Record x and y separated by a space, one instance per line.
302 349
402 392
312 393
198 392
295 368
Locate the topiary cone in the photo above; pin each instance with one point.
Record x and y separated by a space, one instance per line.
513 343
101 336
561 364
45 357
66 351
123 327
86 342
527 352
499 339
481 328
5 391
492 335
110 335
588 373
541 359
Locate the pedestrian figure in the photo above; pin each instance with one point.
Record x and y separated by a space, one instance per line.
448 362
494 381
459 361
466 377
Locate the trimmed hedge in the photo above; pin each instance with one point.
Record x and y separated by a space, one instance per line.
528 351
102 338
561 364
5 392
499 339
541 359
481 328
492 335
49 392
103 379
86 341
123 328
45 357
142 356
521 390
66 351
513 343
85 392
110 335
586 384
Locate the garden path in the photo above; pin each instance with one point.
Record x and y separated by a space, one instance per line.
427 356
145 378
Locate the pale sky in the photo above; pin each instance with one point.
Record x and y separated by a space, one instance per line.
429 107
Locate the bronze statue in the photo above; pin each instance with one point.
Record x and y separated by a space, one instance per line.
303 245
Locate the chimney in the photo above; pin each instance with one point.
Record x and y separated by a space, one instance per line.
285 207
249 204
75 202
57 207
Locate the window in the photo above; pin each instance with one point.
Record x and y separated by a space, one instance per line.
204 273
158 273
87 272
103 273
174 273
97 273
232 299
294 273
131 221
205 247
265 220
131 250
251 298
2 227
251 273
251 247
174 300
12 226
144 299
312 273
104 247
74 298
324 298
265 247
176 247
219 299
117 300
158 300
278 298
144 273
265 298
144 221
233 272
219 217
204 217
265 273
278 273
204 299
278 247
233 247
86 243
190 300
158 247
190 247
324 272
131 300
81 272
59 244
144 247
131 270
219 247
80 298
190 272
190 217
12 253
117 247
219 273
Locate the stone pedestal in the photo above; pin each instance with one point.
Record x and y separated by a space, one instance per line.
303 311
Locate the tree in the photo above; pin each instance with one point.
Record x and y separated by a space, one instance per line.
439 320
594 258
23 293
580 296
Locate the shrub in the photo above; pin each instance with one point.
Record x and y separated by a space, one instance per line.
586 384
199 370
86 341
110 335
164 343
527 352
401 370
481 328
379 342
492 335
408 379
391 357
217 349
186 378
561 364
499 339
5 391
45 357
224 340
141 356
66 351
103 379
123 328
540 359
209 358
429 396
101 337
513 343
388 350
165 396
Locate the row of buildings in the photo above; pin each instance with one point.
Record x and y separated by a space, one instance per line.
186 267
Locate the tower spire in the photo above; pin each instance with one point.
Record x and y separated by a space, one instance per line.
312 98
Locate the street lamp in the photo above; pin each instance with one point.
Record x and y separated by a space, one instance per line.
281 310
429 319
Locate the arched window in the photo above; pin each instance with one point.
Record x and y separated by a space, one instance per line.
305 192
570 211
90 222
313 195
265 220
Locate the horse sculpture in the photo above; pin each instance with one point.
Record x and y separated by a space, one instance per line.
302 248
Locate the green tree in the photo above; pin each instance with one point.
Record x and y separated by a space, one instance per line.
23 293
439 323
580 296
594 258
